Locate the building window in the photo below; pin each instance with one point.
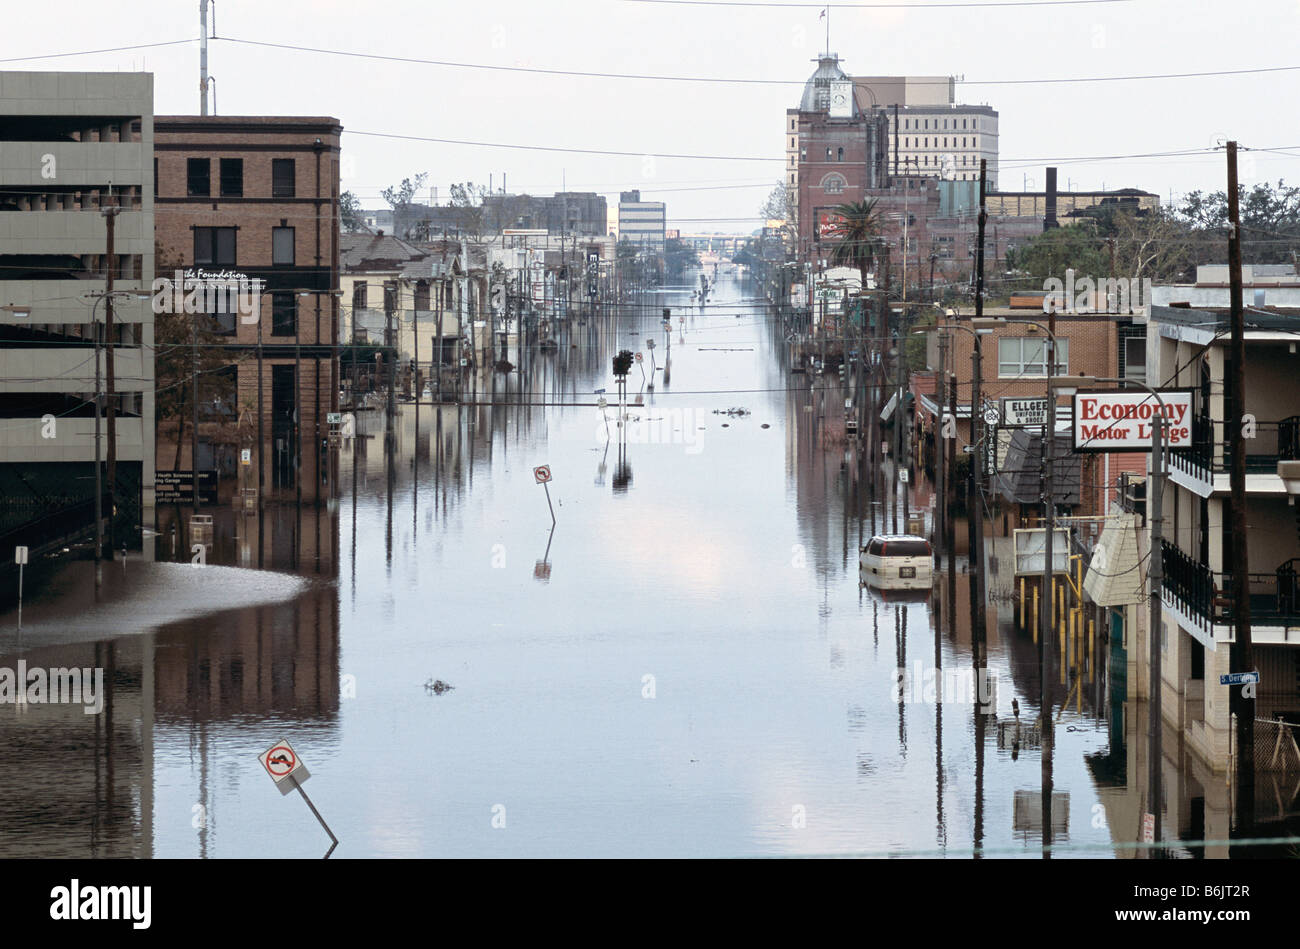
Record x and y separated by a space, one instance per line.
214 246
828 153
284 314
282 178
1027 356
282 246
232 177
358 297
198 177
1135 358
839 156
155 177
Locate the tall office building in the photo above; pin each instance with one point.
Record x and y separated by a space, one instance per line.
642 223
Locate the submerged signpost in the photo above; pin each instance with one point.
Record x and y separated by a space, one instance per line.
288 772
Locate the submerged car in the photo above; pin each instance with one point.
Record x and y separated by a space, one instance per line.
897 562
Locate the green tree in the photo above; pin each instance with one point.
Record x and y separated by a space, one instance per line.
679 257
777 205
1270 223
467 199
856 235
401 199
350 216
1051 253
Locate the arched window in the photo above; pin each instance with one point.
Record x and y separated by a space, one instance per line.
834 184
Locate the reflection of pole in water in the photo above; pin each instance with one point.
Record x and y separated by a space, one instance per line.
941 829
1047 781
900 656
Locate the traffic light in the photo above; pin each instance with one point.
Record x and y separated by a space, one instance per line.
623 362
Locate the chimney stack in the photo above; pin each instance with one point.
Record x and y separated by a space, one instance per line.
1049 215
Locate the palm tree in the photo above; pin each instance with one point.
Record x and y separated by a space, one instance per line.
855 234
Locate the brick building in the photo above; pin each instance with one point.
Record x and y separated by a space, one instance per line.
1013 370
256 199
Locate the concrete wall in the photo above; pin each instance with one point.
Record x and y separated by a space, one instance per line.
115 148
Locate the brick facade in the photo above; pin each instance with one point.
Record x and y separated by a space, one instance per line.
299 309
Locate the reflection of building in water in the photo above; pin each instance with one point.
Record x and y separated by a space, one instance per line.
281 658
302 538
79 786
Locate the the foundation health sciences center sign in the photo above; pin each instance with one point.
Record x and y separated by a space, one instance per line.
1125 421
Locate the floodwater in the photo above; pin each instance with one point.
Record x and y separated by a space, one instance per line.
685 666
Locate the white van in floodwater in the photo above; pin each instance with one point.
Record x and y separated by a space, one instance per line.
897 562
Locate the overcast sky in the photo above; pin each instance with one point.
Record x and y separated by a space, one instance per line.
1038 122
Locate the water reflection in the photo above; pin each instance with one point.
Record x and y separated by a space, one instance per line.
704 674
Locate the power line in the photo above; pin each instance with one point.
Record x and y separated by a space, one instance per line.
737 80
556 148
93 52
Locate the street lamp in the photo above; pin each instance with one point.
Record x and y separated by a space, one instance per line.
1155 569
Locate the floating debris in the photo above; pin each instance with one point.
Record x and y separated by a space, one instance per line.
765 425
734 412
437 686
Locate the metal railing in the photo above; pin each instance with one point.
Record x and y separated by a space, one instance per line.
1267 444
1274 597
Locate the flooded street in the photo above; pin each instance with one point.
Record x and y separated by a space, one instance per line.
685 666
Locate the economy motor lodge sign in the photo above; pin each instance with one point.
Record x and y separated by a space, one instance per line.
1125 421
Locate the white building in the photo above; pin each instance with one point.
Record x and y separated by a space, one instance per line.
642 223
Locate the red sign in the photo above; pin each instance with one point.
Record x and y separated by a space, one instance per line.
280 761
827 224
542 473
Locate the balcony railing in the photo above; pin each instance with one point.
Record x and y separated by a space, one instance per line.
1274 597
1270 442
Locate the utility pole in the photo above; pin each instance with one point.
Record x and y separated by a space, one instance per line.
1155 582
1045 631
1242 652
974 506
110 420
99 488
194 409
975 499
203 57
941 444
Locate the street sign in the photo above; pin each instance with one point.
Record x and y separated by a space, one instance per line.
245 456
20 556
650 344
601 403
542 473
1239 678
284 766
638 357
334 418
902 475
1148 828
